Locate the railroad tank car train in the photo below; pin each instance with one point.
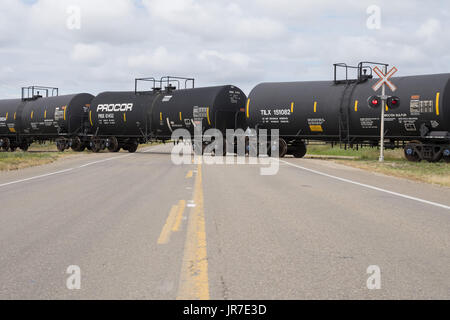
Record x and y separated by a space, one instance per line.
338 111
417 119
35 118
116 120
125 119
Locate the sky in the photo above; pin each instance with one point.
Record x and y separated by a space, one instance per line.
102 45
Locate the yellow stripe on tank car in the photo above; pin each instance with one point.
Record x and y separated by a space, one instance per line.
387 108
207 116
7 116
437 102
45 114
65 109
292 107
31 115
160 116
316 128
124 117
90 118
248 108
356 105
15 115
315 106
181 117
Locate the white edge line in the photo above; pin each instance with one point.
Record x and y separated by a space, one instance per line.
67 170
104 160
36 177
369 186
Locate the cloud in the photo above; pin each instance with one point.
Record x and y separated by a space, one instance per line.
217 42
89 53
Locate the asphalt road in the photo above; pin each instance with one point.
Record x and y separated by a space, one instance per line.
140 227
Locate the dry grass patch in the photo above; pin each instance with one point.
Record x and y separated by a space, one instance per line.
395 164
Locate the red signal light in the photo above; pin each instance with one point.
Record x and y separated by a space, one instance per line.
374 102
393 102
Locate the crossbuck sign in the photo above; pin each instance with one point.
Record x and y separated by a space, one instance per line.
384 79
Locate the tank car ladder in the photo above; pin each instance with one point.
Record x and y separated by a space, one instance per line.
344 114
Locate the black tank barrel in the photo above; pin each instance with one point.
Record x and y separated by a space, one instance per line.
158 113
323 110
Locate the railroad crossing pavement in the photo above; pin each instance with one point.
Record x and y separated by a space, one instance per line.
140 227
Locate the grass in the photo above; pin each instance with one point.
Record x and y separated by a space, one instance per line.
38 154
395 164
18 160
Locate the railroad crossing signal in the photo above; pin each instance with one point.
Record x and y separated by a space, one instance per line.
383 100
384 79
375 102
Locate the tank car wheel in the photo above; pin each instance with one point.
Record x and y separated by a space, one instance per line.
133 146
411 153
96 145
12 148
6 144
24 146
283 148
96 148
300 150
76 144
113 144
61 144
446 154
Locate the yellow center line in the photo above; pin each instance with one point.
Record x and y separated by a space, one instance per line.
194 283
189 174
179 218
166 231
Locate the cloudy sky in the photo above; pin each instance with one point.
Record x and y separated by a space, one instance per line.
111 42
